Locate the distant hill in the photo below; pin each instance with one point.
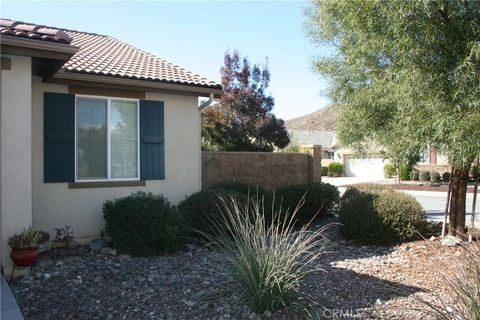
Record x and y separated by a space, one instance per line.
323 120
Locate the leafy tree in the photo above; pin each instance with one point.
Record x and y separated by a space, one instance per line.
243 120
406 74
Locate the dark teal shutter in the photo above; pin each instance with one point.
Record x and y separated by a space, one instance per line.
152 146
59 137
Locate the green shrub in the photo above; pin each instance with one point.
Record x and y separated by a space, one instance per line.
414 175
255 193
335 169
143 224
324 171
389 170
424 176
267 261
372 214
435 176
201 210
446 176
240 187
367 187
319 199
405 172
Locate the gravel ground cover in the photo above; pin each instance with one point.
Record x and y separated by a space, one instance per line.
366 282
373 282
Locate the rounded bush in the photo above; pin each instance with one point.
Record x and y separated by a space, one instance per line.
367 187
240 187
389 170
143 224
255 193
404 172
319 199
335 169
201 210
446 176
435 176
424 176
375 215
414 175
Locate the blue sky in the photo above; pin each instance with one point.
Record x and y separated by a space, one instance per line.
195 35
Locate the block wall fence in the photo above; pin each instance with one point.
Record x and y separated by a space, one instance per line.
269 170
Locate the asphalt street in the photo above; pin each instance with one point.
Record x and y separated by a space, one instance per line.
434 204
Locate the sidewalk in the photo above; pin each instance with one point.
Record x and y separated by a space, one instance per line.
10 309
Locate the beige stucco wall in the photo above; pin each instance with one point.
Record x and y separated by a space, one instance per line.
55 205
16 157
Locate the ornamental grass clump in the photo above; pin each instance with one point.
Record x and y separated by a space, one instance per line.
461 274
268 259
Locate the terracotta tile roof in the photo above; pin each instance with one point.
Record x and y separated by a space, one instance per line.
106 56
32 31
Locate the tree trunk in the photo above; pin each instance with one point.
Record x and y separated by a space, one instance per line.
447 204
398 173
456 225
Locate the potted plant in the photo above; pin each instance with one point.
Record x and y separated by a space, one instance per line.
62 236
24 247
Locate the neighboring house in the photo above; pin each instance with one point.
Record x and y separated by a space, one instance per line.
318 128
432 160
355 164
86 118
372 163
361 165
307 138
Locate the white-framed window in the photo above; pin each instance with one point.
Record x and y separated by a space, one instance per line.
106 138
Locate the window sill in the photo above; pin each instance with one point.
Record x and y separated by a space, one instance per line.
105 184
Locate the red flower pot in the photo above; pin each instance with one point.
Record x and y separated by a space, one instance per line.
24 257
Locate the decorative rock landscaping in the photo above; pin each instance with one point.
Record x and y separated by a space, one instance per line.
360 282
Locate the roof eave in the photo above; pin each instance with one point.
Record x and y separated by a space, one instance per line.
139 84
37 48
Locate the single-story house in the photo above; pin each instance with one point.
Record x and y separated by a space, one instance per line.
306 138
87 118
372 163
361 165
431 159
354 163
